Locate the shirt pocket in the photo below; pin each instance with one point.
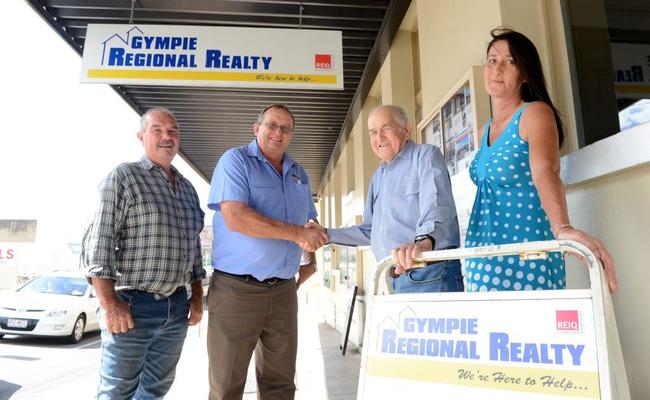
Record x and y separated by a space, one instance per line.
266 197
301 203
405 202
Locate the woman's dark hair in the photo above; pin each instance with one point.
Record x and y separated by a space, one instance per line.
526 58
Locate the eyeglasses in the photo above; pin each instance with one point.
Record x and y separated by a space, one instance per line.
285 130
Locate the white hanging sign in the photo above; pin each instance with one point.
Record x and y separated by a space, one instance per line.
213 56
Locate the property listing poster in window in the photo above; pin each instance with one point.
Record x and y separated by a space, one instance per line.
327 265
458 130
432 132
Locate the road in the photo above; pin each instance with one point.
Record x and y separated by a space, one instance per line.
35 368
46 369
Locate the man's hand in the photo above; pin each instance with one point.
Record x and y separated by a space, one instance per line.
196 304
404 254
305 272
117 312
118 317
240 218
313 236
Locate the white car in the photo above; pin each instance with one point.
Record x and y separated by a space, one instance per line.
54 304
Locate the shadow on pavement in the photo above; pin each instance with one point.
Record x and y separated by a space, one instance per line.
7 389
341 371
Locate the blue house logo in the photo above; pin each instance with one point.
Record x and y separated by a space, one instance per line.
425 336
118 40
135 49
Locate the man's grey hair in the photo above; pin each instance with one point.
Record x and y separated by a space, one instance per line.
162 110
260 116
398 113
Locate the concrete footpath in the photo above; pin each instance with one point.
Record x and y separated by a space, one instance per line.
322 372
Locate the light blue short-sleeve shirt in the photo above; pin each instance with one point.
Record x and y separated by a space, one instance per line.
243 174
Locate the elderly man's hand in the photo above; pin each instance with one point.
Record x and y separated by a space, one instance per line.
404 254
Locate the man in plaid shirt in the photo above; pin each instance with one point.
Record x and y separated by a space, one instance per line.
142 250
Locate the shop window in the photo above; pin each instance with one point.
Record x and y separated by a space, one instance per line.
347 265
327 266
609 53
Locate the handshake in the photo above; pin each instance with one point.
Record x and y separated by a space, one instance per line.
312 236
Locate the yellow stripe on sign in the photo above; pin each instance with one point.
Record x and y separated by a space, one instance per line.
212 76
621 88
532 380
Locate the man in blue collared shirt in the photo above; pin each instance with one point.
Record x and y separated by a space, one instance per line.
410 207
262 201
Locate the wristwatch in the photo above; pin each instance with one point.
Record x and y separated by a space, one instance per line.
419 238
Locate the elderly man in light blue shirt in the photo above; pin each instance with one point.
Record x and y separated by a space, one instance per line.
262 201
410 207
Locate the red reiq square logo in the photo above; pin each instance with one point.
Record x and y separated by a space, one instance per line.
567 320
323 61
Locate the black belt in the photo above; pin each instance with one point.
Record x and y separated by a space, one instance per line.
248 278
133 291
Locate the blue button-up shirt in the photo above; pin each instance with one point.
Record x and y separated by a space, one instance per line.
411 196
243 174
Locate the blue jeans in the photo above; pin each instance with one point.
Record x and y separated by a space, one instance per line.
444 276
141 363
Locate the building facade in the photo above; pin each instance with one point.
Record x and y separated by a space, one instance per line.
596 59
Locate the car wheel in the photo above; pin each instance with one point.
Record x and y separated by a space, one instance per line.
77 330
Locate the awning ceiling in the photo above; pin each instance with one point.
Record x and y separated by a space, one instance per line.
214 119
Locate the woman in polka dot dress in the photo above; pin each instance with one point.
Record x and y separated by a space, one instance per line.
519 195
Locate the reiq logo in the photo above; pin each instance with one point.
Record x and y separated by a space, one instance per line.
567 321
323 61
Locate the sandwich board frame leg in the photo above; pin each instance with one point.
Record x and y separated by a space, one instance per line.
346 335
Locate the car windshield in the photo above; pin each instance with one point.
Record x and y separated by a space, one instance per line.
56 285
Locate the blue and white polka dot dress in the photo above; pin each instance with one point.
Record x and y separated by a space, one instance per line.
507 209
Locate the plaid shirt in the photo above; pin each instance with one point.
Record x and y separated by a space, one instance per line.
145 236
